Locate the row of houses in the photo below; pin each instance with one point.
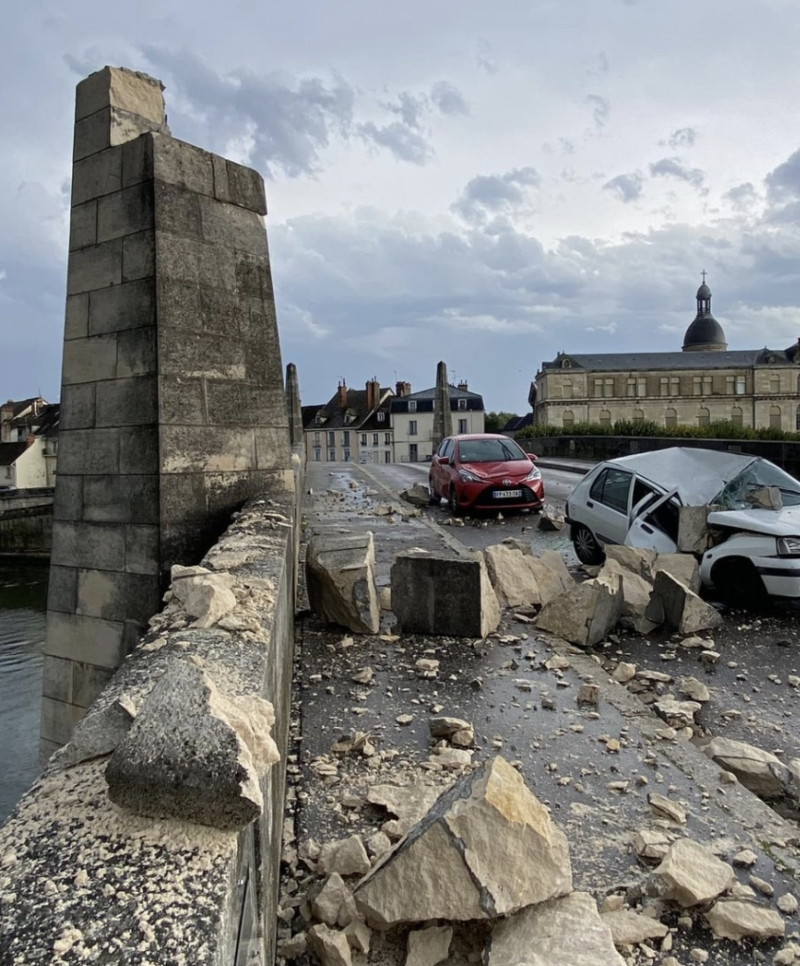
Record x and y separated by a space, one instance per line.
381 425
28 443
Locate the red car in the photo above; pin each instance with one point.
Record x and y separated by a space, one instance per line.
485 471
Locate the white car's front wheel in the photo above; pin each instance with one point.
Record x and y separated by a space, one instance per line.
587 549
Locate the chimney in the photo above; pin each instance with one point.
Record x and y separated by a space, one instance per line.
373 394
403 388
30 439
463 385
341 395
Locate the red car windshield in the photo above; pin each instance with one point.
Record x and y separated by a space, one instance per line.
489 451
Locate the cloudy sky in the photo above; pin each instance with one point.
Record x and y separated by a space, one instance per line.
483 184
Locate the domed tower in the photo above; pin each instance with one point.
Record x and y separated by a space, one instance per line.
705 333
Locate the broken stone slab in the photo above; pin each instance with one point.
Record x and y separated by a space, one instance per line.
445 727
634 559
385 598
759 771
347 857
551 575
665 808
629 928
427 947
682 566
512 576
690 874
330 945
679 607
624 672
766 497
333 904
408 802
488 838
651 845
695 689
186 731
207 597
737 919
450 596
693 534
340 573
568 931
358 935
636 590
677 714
551 520
524 546
586 614
417 495
98 732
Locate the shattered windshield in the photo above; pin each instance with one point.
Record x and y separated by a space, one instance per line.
742 492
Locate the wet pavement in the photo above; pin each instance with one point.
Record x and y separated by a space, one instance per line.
594 766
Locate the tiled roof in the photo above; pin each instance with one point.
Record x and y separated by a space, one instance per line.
10 452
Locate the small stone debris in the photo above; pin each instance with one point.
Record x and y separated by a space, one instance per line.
334 904
629 928
427 947
736 919
759 771
690 874
746 858
345 857
651 845
404 719
417 495
550 520
787 903
427 668
364 676
695 689
588 694
330 945
665 808
624 672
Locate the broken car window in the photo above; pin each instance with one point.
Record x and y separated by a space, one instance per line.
759 474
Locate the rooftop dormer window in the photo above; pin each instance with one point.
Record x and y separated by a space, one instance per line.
381 417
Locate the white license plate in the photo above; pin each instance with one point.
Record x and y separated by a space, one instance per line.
507 494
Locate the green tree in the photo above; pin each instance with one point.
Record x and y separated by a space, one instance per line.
494 422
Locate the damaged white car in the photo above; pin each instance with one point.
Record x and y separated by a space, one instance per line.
750 545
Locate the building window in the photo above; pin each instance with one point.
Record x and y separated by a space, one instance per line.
331 439
740 385
346 438
774 383
387 439
737 416
346 455
381 417
374 439
567 390
774 417
608 388
568 419
412 427
387 457
331 455
363 439
631 390
641 387
697 385
663 385
703 417
638 415
316 439
671 418
462 403
317 454
729 385
674 386
605 417
708 386
412 405
598 387
462 426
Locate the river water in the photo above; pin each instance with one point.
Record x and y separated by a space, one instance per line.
23 598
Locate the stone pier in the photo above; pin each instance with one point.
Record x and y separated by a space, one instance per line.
442 418
293 407
172 407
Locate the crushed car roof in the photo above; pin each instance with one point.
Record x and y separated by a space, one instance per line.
697 474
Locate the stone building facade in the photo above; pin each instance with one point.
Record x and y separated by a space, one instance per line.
703 383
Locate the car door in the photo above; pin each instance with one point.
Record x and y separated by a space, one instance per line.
608 504
439 470
655 524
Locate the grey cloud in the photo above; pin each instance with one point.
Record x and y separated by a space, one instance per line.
672 168
495 193
783 184
684 137
290 120
448 98
601 108
409 108
741 196
402 140
627 187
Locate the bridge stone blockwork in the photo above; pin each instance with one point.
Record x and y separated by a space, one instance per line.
173 409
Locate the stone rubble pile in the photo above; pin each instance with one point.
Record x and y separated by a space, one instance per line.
483 867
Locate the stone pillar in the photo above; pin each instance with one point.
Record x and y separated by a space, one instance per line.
442 418
172 406
293 409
